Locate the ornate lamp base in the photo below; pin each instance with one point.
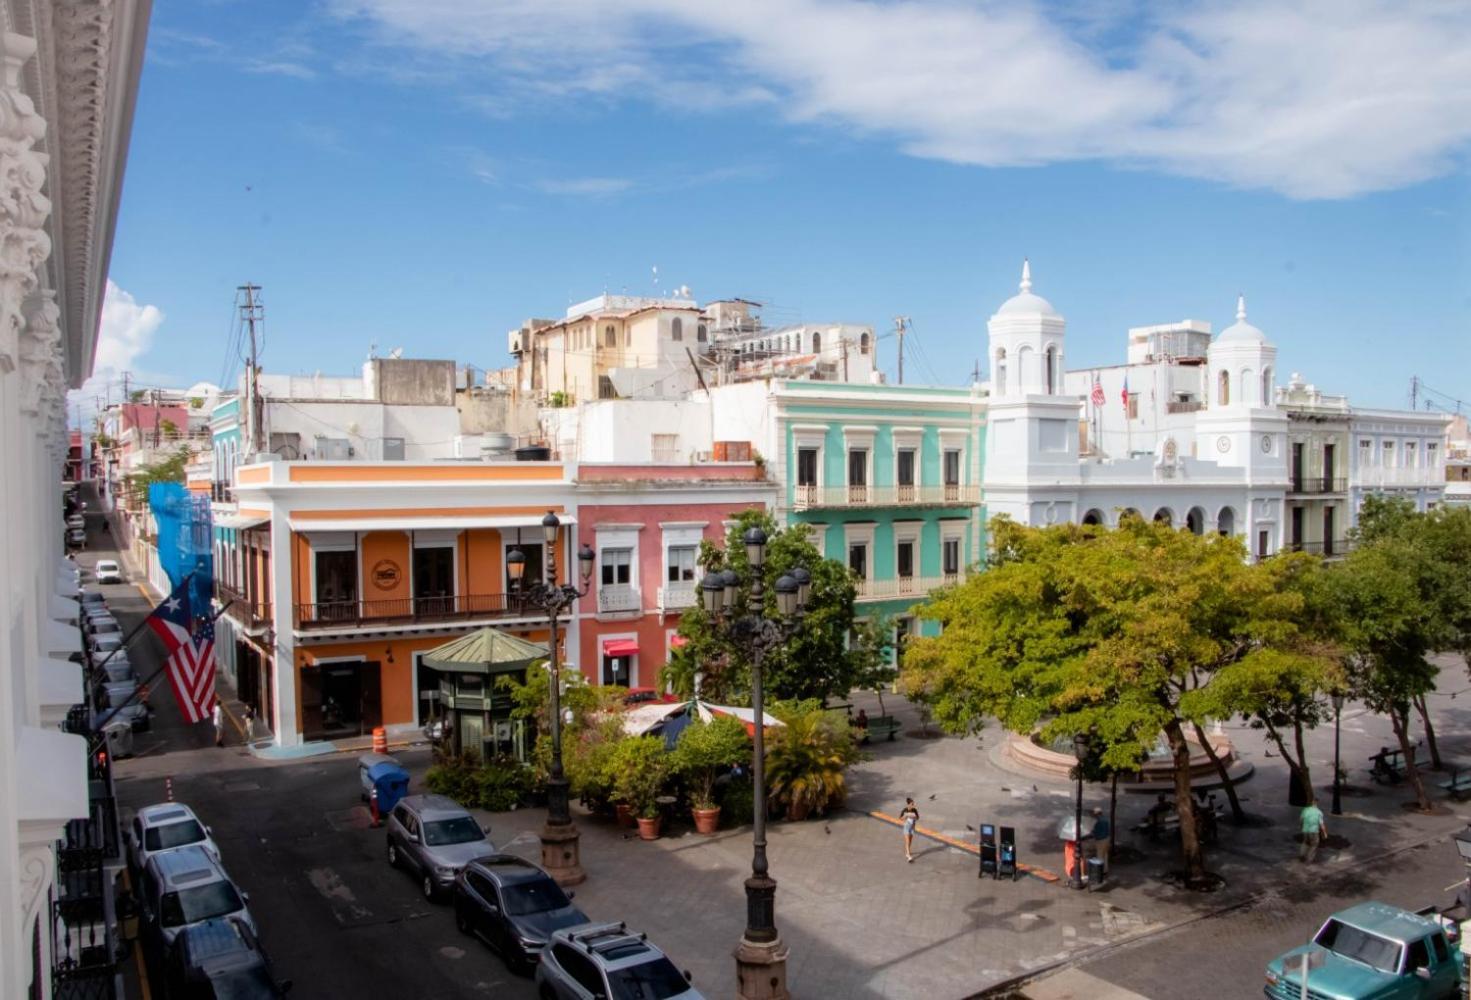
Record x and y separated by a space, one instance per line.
761 970
561 854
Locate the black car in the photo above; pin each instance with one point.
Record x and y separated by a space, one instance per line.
221 959
513 906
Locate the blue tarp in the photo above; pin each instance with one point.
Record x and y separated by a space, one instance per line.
185 540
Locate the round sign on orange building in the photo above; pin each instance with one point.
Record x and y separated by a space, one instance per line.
386 574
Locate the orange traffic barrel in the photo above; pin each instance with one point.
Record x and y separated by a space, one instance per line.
380 740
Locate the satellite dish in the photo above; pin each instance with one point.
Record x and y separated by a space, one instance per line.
396 353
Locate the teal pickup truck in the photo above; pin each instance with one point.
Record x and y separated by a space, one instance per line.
1373 951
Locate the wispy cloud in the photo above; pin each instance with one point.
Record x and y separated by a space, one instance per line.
584 187
1311 98
274 67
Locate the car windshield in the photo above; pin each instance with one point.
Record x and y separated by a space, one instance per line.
534 897
1359 945
244 984
161 838
654 980
103 566
460 830
188 906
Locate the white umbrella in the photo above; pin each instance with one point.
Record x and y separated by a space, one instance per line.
1066 830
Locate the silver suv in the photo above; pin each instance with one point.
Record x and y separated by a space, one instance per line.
607 960
434 837
183 887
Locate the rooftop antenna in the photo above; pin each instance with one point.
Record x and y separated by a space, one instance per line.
372 349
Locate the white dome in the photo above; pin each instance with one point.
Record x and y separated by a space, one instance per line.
1241 332
1024 303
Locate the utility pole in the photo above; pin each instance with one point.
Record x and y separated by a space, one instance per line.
252 313
843 350
156 429
127 397
975 373
901 325
1414 390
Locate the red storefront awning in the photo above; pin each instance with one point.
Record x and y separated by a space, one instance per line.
620 647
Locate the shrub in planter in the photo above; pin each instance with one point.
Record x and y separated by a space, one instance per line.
503 784
806 761
703 751
588 760
642 767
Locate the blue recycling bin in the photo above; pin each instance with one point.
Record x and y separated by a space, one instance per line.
390 783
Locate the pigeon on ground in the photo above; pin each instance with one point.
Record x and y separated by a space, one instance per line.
827 829
1034 788
932 798
970 828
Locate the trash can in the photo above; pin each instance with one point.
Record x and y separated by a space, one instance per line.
119 737
1095 873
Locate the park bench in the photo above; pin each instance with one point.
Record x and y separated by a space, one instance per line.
1169 823
881 727
1458 785
1389 766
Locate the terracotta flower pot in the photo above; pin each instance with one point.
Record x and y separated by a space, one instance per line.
625 815
798 811
648 829
706 820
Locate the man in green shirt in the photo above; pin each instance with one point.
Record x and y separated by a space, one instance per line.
1313 831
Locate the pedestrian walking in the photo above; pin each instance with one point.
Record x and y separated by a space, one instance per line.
218 717
249 724
910 815
1314 829
1101 836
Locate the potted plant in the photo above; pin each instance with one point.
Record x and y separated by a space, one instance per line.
806 761
703 751
642 766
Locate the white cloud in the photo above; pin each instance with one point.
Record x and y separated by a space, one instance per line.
1311 98
124 336
586 187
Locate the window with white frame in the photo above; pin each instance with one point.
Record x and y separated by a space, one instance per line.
1432 454
1366 453
1387 450
680 563
1411 455
950 558
859 548
617 567
904 558
807 466
858 559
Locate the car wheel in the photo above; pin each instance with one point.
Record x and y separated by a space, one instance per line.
428 888
392 855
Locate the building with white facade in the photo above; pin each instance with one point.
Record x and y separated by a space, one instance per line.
1399 453
68 80
1458 464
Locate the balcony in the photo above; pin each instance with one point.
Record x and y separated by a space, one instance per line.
946 495
1318 484
1421 477
678 596
618 599
254 616
1327 550
85 948
411 611
917 587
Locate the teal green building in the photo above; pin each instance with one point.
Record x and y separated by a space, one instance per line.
888 477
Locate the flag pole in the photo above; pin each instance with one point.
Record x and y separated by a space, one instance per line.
143 685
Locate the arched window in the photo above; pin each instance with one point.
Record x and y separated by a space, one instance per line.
1164 516
701 334
676 328
863 343
1223 388
816 342
610 337
1129 513
1000 378
1049 370
1267 386
1226 521
1094 516
1195 521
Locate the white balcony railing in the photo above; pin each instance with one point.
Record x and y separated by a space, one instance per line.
615 598
1418 476
808 497
677 596
917 587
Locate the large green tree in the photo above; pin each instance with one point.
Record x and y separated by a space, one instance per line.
1084 630
817 663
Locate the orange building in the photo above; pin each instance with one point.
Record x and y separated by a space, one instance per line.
341 574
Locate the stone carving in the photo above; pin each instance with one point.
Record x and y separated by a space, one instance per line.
35 869
24 244
40 353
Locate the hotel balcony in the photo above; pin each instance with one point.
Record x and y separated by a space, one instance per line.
397 612
618 600
1317 484
899 587
850 497
1328 550
679 596
253 616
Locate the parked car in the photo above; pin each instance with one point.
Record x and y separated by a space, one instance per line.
513 906
434 837
107 645
1373 951
185 887
108 571
92 597
99 626
167 826
112 699
76 538
607 960
76 521
223 959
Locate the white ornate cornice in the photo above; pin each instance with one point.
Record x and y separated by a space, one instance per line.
40 352
24 209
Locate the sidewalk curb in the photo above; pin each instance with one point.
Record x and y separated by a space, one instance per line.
1010 987
1038 873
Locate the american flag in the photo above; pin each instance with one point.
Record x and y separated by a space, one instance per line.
190 655
1097 397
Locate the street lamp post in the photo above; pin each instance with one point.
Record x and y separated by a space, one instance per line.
1080 751
560 845
761 956
1337 699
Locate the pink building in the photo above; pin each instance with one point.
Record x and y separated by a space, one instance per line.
646 523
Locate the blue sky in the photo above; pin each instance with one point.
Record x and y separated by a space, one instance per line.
428 173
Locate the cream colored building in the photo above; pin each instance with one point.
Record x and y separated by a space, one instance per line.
70 77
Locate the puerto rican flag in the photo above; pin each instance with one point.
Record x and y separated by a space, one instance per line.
190 653
1125 393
